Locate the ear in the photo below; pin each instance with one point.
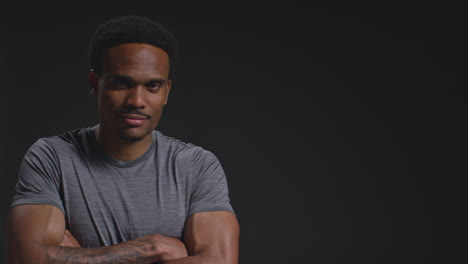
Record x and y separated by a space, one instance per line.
168 85
93 80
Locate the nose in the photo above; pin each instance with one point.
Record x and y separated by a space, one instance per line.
136 97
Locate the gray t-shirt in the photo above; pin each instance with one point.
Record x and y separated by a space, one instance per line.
107 201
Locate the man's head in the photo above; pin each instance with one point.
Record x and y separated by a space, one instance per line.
131 70
130 29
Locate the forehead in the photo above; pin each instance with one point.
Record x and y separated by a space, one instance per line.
136 58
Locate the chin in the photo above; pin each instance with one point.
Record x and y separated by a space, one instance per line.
129 138
134 137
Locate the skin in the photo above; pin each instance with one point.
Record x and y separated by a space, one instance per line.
134 79
132 84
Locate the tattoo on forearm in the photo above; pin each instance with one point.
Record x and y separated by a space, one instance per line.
135 251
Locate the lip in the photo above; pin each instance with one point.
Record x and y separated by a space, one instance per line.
133 116
133 119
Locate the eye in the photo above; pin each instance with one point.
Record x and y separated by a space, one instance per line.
154 85
121 83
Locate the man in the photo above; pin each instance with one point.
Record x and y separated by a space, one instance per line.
122 192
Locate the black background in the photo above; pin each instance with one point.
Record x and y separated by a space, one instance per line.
342 130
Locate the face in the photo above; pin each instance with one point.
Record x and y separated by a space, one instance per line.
132 90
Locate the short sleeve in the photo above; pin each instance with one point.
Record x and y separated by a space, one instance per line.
209 184
39 177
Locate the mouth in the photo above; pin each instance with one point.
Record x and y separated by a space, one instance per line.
134 119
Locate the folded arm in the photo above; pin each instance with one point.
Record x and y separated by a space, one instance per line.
35 233
211 238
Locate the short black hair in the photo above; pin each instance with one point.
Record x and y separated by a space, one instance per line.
131 29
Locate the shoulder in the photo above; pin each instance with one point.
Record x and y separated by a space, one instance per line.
183 151
65 141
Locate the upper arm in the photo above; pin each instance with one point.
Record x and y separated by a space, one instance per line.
30 229
213 234
39 177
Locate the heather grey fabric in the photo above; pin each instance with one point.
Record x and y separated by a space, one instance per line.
107 201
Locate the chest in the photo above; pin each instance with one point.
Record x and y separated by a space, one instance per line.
106 205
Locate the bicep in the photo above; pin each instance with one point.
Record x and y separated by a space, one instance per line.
213 233
30 229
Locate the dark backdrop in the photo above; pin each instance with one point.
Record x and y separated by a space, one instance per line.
341 130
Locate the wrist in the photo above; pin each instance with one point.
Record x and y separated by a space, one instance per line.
150 245
167 248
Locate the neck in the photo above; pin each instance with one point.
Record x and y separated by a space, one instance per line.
118 148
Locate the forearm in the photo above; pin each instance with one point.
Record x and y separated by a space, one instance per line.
192 260
141 251
212 238
204 259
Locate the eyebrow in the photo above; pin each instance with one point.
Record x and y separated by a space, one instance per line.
131 80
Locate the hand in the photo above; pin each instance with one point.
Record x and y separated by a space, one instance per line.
69 240
169 248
